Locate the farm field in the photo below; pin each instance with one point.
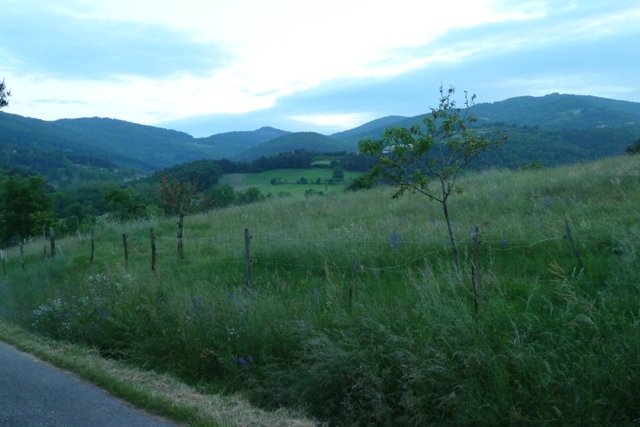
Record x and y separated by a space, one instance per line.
287 181
351 310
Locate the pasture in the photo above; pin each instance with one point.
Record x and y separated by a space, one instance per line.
285 182
355 314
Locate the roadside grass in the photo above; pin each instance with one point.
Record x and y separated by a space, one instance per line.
356 315
160 394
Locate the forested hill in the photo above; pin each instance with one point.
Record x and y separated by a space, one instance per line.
113 142
230 144
557 111
548 130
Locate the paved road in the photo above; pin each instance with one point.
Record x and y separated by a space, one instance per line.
34 393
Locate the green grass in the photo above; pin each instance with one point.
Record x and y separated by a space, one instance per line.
395 341
159 394
289 179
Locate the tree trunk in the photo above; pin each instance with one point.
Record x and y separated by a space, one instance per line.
452 239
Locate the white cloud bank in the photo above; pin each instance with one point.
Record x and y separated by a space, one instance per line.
262 52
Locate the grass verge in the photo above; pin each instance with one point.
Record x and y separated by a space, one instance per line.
159 394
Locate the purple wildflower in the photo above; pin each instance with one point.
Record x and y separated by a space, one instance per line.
395 240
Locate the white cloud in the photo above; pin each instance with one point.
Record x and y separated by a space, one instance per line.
334 121
277 48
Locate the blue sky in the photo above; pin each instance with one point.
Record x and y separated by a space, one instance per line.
216 65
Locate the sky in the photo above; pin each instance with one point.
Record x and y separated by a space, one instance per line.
211 66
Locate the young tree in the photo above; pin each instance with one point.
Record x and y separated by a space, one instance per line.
177 197
4 94
25 206
338 173
633 148
428 158
124 205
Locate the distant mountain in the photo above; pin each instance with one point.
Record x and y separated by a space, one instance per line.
551 129
139 145
116 142
556 111
230 144
368 130
309 141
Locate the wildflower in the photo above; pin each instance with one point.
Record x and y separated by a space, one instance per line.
395 240
245 362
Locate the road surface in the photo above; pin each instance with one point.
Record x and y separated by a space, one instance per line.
34 393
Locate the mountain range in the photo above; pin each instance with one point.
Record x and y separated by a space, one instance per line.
548 130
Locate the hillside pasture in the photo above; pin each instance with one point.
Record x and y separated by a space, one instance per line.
287 181
355 313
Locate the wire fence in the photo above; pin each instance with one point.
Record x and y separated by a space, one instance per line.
391 252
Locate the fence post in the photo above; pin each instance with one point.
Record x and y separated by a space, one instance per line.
3 257
568 235
22 252
126 251
352 282
154 253
180 236
475 266
44 241
247 257
52 238
93 244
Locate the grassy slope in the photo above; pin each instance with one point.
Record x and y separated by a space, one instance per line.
550 344
262 181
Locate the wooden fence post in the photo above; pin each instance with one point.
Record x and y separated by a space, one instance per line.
52 238
154 253
3 257
568 235
44 241
247 257
352 282
22 252
180 236
126 251
475 266
93 244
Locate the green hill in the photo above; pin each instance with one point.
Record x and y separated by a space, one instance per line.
308 141
556 111
368 130
117 142
150 147
552 129
230 144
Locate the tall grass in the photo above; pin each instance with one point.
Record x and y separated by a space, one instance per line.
550 343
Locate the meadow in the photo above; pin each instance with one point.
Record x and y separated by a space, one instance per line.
356 315
284 182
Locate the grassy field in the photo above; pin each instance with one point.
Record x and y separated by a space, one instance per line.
316 182
356 315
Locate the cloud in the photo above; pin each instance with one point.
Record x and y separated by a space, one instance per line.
295 64
333 122
39 41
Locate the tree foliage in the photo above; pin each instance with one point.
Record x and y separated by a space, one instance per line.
25 207
428 157
4 94
124 205
177 196
634 148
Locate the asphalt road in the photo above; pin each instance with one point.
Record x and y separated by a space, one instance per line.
34 393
